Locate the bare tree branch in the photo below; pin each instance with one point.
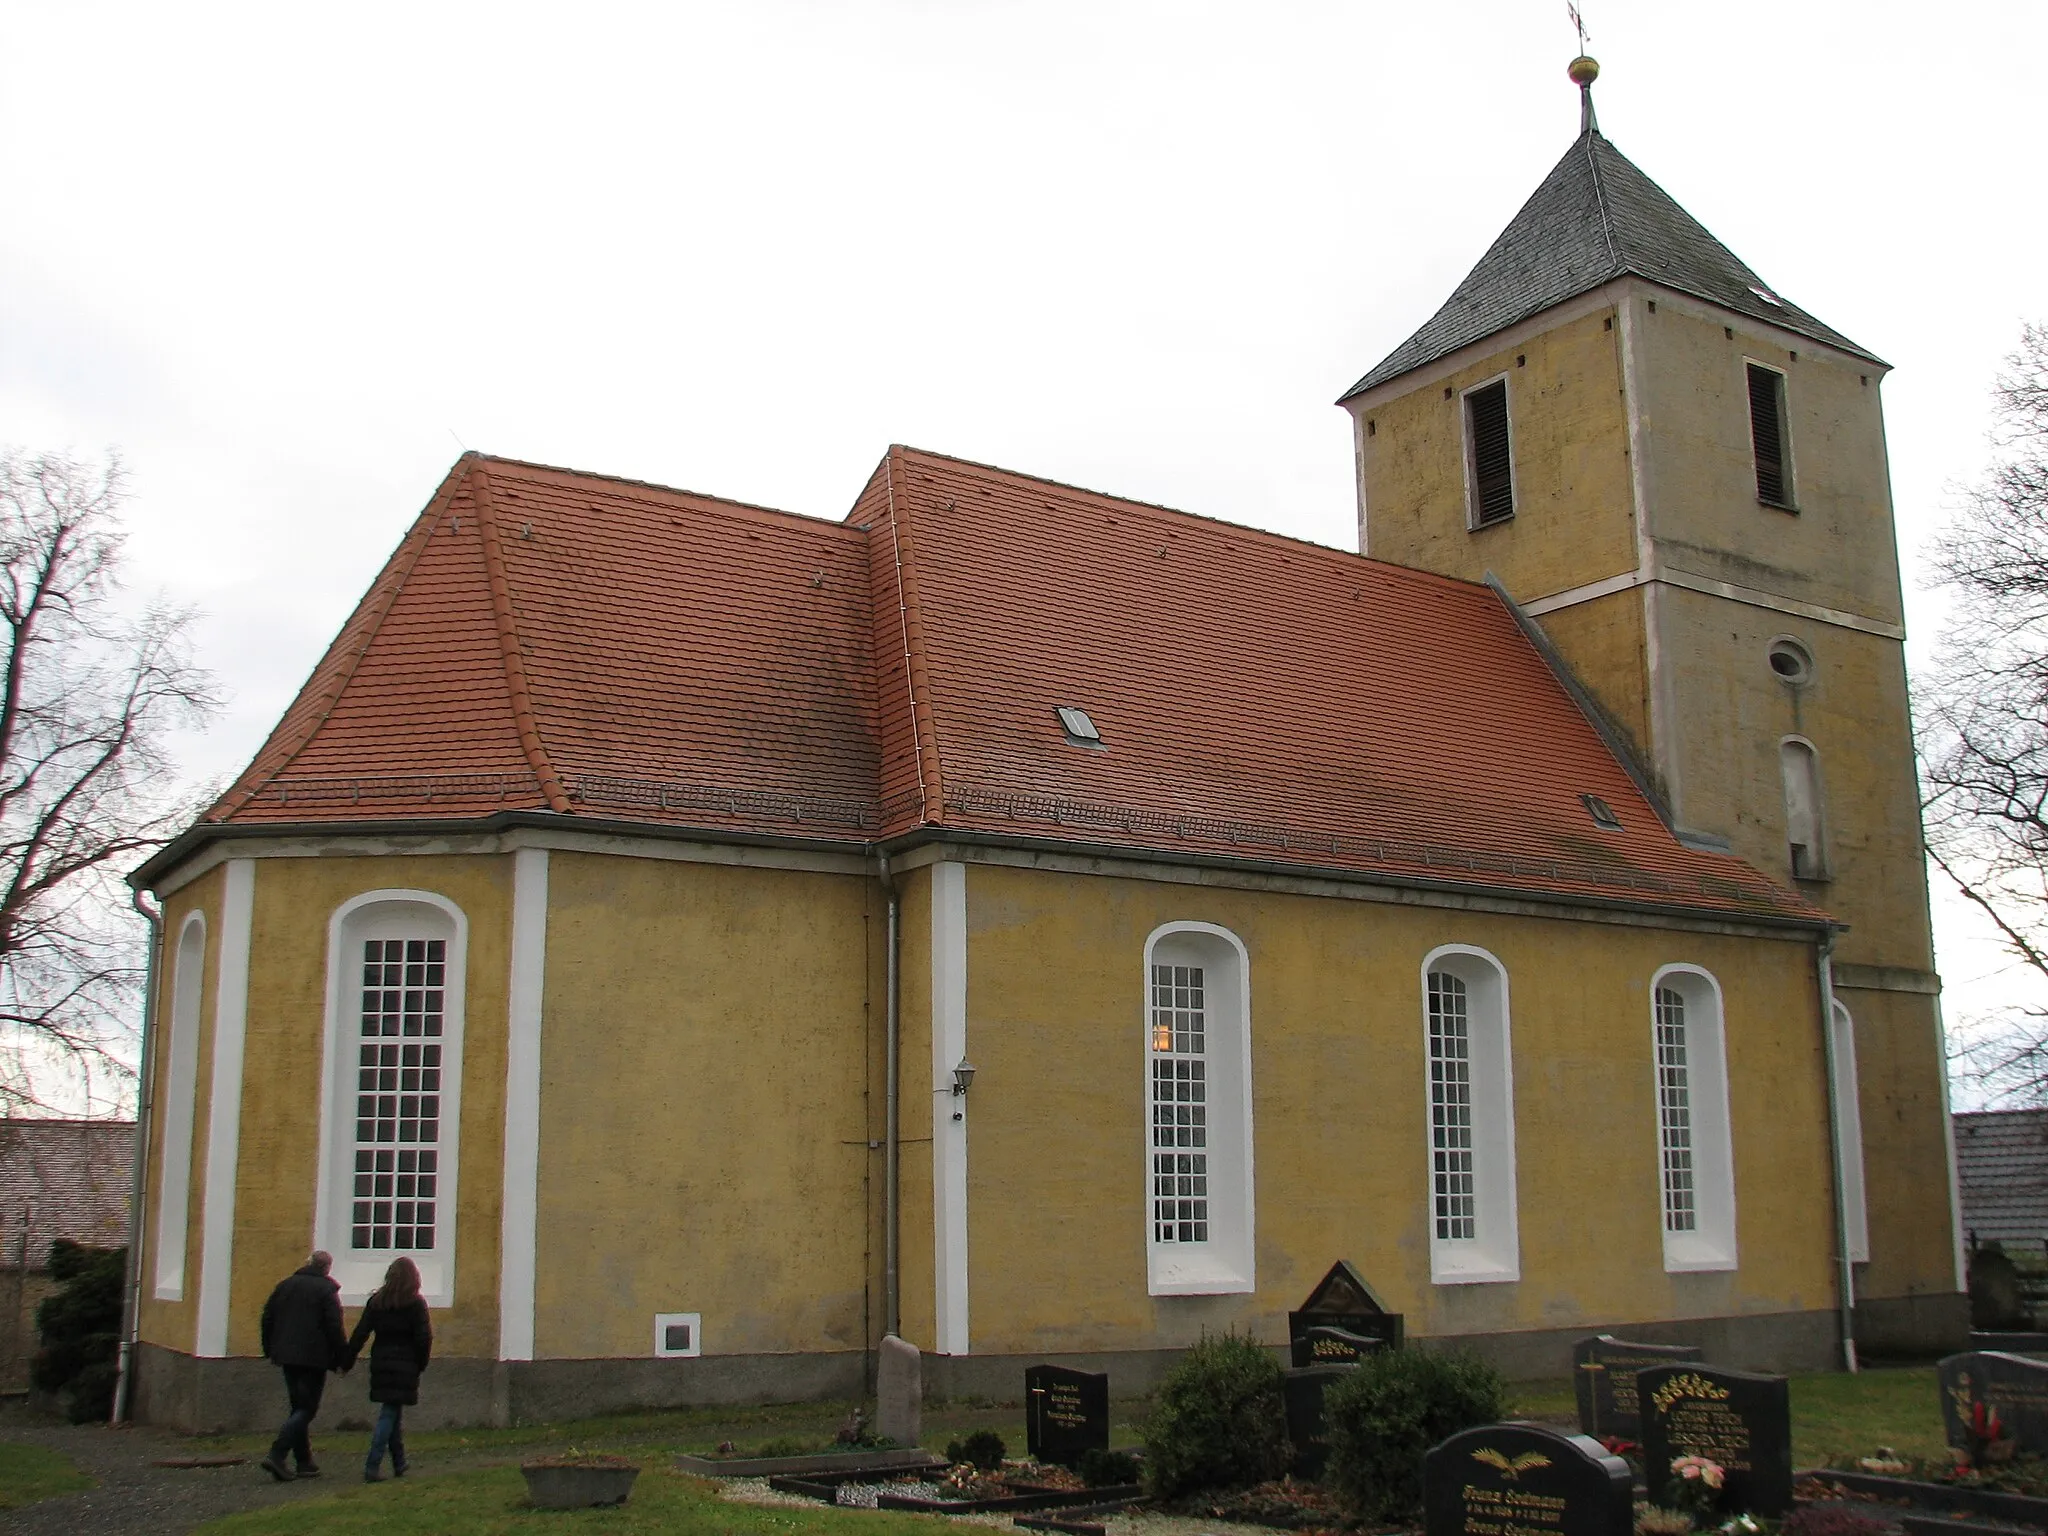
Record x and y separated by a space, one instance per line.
89 693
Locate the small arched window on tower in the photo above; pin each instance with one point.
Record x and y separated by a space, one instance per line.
1805 825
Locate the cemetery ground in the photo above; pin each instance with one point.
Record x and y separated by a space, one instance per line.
468 1480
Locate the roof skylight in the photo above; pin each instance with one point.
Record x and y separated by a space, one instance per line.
1601 812
1080 729
1766 295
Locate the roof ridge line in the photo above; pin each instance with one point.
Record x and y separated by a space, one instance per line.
666 490
1294 540
1600 197
910 613
507 625
422 530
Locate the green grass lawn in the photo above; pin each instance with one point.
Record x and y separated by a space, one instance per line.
29 1473
493 1499
467 1483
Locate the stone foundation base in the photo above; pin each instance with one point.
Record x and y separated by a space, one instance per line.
1913 1327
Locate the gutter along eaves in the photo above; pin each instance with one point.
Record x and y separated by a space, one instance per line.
513 658
916 674
376 607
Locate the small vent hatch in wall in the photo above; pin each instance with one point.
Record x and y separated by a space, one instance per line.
678 1334
1791 661
1080 729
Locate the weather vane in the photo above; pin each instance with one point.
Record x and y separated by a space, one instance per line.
1578 22
1583 71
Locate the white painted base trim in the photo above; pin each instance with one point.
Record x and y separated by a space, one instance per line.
224 1108
949 1136
518 1233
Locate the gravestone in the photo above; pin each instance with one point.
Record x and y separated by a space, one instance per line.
899 1391
1604 1374
1741 1421
2011 1386
1525 1480
1343 1300
1066 1414
1324 1345
1301 1393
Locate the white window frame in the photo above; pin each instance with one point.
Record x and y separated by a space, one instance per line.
1223 1264
1710 1245
180 1107
360 918
1849 1127
1493 1254
663 1321
1470 450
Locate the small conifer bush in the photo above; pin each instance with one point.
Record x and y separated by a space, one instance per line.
984 1449
1383 1417
1218 1421
1108 1469
80 1328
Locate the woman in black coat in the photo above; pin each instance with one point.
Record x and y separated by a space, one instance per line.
396 1315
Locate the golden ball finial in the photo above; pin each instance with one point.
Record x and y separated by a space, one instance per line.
1584 70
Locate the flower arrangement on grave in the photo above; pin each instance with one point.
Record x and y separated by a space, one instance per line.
1988 1444
1695 1488
1884 1461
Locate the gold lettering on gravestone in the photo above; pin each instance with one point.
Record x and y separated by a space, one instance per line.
1699 1421
1063 1405
1510 1511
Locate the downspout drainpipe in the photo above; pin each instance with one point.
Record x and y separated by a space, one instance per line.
892 1288
1824 968
138 1179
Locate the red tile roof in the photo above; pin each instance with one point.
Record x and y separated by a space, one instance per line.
550 641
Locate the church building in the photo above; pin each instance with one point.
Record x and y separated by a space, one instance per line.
1049 926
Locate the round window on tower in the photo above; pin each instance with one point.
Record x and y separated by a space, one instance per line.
1791 661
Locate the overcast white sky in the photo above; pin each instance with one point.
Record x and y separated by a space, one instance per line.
285 258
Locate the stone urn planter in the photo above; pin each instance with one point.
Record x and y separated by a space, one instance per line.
578 1481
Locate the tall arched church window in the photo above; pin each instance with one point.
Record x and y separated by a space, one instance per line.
180 1106
1849 1134
1198 1155
389 1129
1805 826
1473 1224
1695 1156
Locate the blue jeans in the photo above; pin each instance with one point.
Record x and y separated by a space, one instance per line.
390 1432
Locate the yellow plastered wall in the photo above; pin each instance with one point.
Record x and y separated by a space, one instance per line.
1568 430
1839 549
280 1131
175 1324
1057 1142
703 1120
1603 642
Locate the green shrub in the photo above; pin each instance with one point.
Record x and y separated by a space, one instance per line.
1383 1416
1218 1421
1108 1469
984 1449
80 1328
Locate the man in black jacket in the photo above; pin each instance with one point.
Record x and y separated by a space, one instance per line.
302 1333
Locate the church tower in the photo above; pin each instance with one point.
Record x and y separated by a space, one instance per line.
1680 476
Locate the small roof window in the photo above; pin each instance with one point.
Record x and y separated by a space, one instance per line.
1767 296
1601 812
1080 729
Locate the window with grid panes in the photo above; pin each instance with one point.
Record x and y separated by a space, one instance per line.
1450 1108
1674 1113
1180 1106
398 1095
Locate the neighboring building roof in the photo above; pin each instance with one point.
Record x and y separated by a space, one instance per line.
2002 1173
63 1178
1596 217
551 642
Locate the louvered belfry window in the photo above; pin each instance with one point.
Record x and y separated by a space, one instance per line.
1767 434
1486 434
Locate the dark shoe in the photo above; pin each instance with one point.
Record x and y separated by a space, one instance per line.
399 1470
277 1469
307 1469
373 1477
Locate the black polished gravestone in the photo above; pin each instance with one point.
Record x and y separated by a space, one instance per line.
1525 1480
1066 1414
2010 1386
1343 1300
1323 1345
1604 1374
1741 1422
1301 1394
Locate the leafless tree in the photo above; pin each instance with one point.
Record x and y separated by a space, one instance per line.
1984 720
90 690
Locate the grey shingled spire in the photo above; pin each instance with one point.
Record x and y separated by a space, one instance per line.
1595 218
